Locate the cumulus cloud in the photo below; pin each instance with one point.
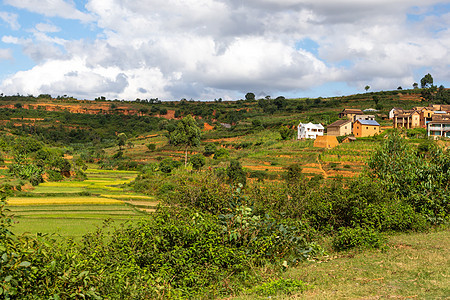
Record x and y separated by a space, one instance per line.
217 48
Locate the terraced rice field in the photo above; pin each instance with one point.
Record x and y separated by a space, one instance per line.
74 208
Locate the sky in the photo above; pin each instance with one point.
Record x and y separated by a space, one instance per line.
210 49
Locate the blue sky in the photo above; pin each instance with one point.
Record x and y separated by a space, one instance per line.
207 49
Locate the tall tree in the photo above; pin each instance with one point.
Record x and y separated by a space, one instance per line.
186 133
367 88
426 81
250 96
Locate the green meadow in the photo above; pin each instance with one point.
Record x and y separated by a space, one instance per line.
74 208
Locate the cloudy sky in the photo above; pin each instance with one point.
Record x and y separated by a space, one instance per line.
206 49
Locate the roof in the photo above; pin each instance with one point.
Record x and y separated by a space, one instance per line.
370 109
352 111
339 123
311 125
368 122
439 122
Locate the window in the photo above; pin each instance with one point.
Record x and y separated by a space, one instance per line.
367 127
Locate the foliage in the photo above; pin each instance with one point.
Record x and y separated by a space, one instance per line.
168 164
221 153
426 81
285 132
151 147
348 238
422 180
210 149
186 133
197 161
235 173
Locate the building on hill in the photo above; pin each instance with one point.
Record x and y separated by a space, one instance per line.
340 128
437 129
349 113
407 118
365 117
395 110
363 128
309 130
326 141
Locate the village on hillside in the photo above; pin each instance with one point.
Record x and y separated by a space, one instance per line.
354 123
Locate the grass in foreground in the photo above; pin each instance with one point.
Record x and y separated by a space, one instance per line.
414 266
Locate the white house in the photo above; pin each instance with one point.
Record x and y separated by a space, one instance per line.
438 129
309 131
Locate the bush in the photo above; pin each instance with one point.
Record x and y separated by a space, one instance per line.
151 147
168 164
54 175
235 173
221 153
210 149
348 238
197 161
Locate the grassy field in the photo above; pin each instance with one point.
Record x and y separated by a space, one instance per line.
413 266
74 208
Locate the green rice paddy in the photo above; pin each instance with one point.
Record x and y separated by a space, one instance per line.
74 208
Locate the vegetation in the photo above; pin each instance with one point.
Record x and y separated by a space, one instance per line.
117 215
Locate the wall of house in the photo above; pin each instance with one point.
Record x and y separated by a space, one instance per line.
365 130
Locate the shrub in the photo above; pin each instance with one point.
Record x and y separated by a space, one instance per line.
358 237
197 161
210 149
151 147
235 173
221 153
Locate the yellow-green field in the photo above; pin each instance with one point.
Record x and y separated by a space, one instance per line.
74 208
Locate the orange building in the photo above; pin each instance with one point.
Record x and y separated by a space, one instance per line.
362 128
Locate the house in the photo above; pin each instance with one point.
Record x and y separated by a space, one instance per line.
340 128
407 119
350 114
309 130
437 129
326 141
349 139
393 111
365 117
363 128
370 110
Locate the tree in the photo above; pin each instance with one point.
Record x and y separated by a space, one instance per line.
249 96
285 132
367 88
426 81
235 173
415 85
186 133
121 139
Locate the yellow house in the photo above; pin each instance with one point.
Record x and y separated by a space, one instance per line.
362 128
340 128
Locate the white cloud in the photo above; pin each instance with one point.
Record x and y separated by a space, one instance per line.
11 19
52 8
46 27
6 54
204 48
